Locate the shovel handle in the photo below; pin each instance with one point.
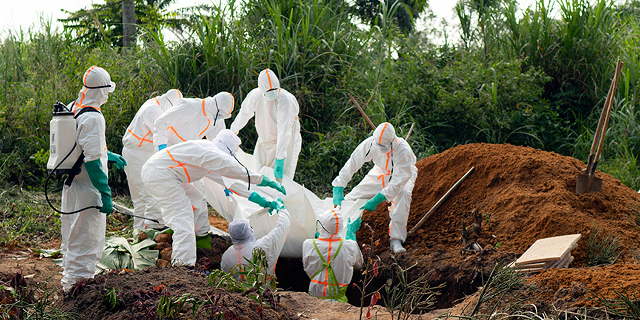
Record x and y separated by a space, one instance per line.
362 111
610 97
440 201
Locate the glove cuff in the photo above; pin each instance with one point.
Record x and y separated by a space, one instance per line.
265 181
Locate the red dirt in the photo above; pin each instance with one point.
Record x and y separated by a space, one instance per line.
523 194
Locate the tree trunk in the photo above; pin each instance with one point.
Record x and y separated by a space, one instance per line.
128 23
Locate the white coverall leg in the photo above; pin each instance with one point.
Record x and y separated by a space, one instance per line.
83 233
139 195
174 198
400 205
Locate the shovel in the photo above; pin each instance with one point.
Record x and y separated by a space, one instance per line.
587 180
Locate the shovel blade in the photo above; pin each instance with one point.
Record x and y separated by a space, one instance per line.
582 184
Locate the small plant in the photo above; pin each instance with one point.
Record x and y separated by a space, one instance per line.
634 216
626 306
112 299
370 272
502 282
407 297
601 249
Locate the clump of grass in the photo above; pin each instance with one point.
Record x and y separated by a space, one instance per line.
634 216
625 306
500 292
601 249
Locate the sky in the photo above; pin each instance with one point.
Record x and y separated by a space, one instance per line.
26 13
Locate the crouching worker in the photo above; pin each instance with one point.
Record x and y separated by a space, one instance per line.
390 180
89 193
244 241
329 260
169 177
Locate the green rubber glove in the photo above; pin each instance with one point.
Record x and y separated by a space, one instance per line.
117 159
373 202
266 182
100 182
338 195
263 202
278 168
352 228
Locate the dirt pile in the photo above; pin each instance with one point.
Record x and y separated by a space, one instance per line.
521 194
139 294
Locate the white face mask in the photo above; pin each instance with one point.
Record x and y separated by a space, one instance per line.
271 95
383 148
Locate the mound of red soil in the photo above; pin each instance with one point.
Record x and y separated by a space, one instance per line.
521 194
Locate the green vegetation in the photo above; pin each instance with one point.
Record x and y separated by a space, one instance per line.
601 249
525 78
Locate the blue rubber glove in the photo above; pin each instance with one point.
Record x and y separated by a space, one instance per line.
373 202
100 182
279 167
263 202
338 195
276 206
266 182
352 228
117 159
162 146
227 192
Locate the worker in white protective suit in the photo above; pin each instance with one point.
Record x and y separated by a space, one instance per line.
138 147
83 232
329 260
276 116
192 119
169 175
391 179
244 241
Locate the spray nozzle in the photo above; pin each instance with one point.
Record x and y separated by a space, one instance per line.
59 107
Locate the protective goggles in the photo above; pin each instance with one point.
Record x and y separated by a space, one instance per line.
111 86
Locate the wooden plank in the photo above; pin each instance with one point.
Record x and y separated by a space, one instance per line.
549 249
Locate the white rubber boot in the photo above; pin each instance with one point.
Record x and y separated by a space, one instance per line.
396 246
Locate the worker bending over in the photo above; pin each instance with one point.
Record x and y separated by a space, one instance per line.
391 179
169 175
193 119
138 147
329 260
83 232
276 111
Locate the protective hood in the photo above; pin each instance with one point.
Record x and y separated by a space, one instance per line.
269 84
385 137
220 105
96 86
241 232
331 224
169 99
227 141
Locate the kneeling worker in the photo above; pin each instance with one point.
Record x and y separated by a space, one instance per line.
244 241
329 260
168 177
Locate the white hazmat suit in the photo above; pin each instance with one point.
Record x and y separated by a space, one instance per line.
244 241
192 119
392 178
83 233
169 175
329 260
138 147
276 116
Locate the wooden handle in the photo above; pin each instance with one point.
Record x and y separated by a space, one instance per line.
362 111
442 199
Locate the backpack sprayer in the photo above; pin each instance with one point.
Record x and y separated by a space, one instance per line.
65 157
